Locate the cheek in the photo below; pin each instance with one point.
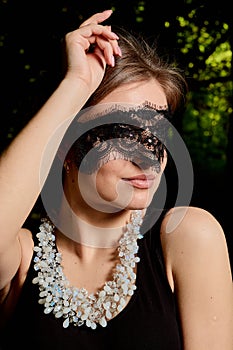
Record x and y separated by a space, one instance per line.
157 182
97 190
106 185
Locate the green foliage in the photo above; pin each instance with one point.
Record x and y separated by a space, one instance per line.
205 125
209 60
199 32
139 11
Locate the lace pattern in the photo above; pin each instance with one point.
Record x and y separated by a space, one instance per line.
136 134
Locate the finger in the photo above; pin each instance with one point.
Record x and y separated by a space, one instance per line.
97 18
109 48
88 34
95 29
102 59
115 46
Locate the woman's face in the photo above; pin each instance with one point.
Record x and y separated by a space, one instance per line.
120 184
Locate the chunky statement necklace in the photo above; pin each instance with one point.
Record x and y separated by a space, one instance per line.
73 304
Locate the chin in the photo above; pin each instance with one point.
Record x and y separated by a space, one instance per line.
138 201
139 204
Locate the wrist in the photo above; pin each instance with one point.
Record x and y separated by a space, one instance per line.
74 91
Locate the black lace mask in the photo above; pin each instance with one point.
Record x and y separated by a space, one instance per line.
136 134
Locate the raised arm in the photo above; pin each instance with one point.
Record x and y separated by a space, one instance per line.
21 177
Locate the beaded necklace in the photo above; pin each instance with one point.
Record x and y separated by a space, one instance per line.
76 305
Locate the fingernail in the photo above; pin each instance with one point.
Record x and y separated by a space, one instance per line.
113 61
119 51
114 35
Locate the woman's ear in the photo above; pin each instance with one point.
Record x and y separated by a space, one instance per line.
66 166
164 161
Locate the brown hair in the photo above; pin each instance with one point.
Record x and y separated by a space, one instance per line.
140 62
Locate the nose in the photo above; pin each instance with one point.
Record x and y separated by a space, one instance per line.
146 163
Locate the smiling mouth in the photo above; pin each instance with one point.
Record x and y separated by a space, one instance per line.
141 181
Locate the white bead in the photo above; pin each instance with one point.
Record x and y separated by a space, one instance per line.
116 297
49 298
41 301
103 322
107 289
84 317
93 325
106 305
102 293
48 310
87 310
66 310
66 322
37 249
119 308
88 323
108 314
122 302
35 280
76 305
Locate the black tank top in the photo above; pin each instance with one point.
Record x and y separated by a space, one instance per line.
149 322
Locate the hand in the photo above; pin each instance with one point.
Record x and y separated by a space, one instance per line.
89 65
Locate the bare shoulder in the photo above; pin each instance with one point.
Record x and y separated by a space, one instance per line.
193 222
197 264
27 245
190 232
15 263
192 237
25 237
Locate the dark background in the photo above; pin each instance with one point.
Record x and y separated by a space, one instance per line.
31 66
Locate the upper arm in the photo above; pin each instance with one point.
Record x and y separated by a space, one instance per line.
196 255
15 258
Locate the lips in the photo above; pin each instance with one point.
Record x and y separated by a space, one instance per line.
141 181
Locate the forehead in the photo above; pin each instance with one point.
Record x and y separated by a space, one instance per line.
140 115
138 93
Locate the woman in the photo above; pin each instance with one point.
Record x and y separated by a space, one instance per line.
105 270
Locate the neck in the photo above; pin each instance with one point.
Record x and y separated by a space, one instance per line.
92 228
